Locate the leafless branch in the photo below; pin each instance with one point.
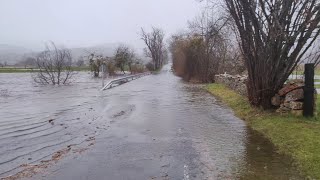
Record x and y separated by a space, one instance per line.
54 66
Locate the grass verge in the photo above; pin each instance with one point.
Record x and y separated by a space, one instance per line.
297 137
29 70
15 70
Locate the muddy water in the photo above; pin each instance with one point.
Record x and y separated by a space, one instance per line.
153 127
36 121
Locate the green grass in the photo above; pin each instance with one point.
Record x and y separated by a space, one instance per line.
85 68
28 70
300 72
297 137
15 70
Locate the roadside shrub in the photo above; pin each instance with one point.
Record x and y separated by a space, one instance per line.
137 68
111 68
150 66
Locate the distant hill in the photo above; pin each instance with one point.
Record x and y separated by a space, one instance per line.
105 50
12 54
15 54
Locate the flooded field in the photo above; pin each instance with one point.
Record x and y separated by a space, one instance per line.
37 121
154 127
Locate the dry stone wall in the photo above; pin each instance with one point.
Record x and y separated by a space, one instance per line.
290 97
236 83
288 100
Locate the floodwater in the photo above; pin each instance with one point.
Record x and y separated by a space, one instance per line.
156 127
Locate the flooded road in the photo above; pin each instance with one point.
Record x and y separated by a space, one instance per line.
156 127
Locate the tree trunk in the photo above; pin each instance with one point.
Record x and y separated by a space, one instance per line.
259 97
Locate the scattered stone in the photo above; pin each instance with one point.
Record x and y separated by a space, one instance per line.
287 105
294 95
291 97
290 87
283 109
294 105
288 99
276 100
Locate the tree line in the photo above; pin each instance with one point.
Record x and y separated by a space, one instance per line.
205 50
54 65
271 38
124 59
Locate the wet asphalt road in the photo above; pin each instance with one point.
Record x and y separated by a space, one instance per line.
159 127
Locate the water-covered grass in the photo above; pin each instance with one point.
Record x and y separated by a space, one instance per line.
16 70
83 68
297 137
27 70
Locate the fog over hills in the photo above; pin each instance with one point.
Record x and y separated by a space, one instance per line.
13 54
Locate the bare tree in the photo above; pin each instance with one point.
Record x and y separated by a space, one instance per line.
201 51
95 61
53 66
124 56
80 62
275 35
155 46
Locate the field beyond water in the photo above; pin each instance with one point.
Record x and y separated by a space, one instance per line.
297 137
28 70
16 70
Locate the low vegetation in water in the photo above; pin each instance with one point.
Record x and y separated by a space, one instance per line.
15 70
28 70
295 136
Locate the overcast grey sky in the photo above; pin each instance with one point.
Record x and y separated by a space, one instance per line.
79 23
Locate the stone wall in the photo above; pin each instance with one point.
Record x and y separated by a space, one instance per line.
236 83
288 100
290 97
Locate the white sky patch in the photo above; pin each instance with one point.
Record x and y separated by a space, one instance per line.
78 23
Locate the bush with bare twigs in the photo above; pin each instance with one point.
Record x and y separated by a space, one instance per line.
156 49
53 66
275 37
205 51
